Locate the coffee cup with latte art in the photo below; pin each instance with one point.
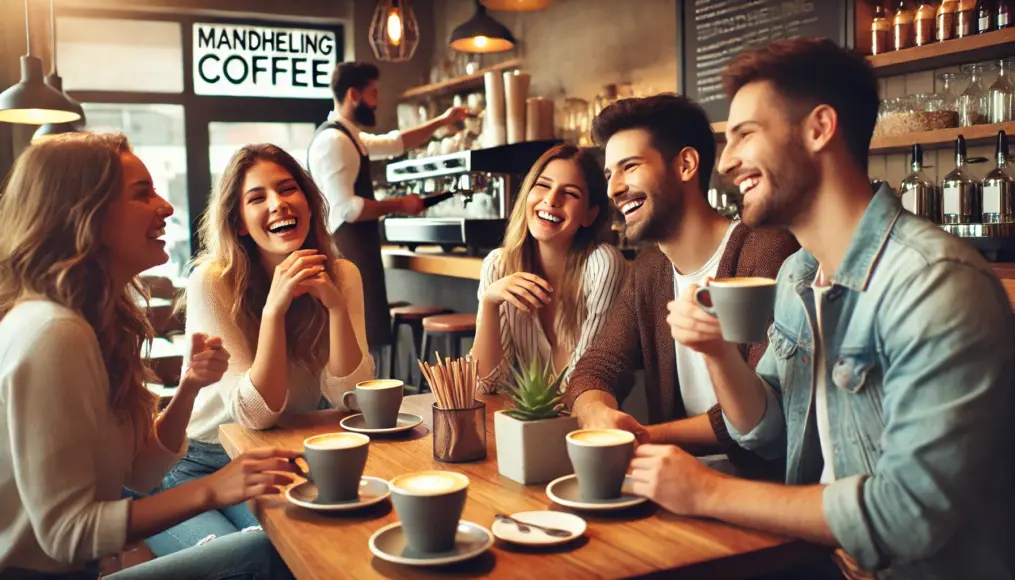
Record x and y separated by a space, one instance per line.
379 400
600 458
336 462
429 505
744 307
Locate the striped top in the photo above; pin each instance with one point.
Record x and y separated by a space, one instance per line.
522 337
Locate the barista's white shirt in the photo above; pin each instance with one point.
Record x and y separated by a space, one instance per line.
334 163
696 389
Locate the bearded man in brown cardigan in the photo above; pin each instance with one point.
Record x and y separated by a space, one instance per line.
660 153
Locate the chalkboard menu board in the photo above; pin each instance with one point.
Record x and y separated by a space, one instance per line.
713 32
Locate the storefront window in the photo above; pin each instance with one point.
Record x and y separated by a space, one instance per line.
157 134
105 54
226 138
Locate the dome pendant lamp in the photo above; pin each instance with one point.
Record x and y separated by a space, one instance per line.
394 31
32 101
516 5
54 80
482 33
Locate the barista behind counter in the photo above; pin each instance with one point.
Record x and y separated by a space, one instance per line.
339 161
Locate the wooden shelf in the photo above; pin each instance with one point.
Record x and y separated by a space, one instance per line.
458 84
942 139
979 47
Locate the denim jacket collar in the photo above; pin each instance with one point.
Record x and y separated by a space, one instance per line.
864 250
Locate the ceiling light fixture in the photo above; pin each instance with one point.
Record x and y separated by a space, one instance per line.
32 101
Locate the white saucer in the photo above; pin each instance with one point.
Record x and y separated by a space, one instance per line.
372 490
471 540
564 490
509 532
357 424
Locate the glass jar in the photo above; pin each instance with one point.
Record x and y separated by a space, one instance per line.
950 87
1001 94
932 112
973 100
898 116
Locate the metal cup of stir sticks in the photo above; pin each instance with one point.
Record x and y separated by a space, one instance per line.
459 420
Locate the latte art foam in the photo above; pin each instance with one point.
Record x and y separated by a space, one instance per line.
601 437
748 281
379 384
430 483
337 441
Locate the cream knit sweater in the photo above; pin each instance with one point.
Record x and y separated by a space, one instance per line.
234 399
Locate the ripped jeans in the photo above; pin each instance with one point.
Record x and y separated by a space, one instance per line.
201 459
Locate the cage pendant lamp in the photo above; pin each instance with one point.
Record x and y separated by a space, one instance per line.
482 33
53 79
516 5
394 31
32 101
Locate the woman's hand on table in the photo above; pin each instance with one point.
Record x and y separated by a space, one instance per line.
209 360
527 292
250 475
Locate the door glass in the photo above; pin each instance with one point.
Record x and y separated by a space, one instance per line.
156 132
226 138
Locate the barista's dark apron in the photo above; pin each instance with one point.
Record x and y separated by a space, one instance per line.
360 243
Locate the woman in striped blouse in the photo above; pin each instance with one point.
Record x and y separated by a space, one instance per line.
544 294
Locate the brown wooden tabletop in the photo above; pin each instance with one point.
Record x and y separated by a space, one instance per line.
638 542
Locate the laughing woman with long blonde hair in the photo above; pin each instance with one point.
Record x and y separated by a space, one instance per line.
544 294
79 220
268 281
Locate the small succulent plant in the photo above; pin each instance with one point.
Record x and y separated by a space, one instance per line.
535 392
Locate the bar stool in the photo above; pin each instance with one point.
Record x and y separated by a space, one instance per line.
452 329
412 316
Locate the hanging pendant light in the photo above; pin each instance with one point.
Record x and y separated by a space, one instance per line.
482 33
516 5
32 101
394 31
54 80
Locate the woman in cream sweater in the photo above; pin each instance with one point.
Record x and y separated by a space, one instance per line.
81 219
291 313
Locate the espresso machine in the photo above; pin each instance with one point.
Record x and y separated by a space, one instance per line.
468 196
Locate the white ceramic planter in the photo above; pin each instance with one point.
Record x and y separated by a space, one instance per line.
532 451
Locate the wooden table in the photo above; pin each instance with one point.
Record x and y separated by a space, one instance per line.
642 541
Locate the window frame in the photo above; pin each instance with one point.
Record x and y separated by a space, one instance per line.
201 110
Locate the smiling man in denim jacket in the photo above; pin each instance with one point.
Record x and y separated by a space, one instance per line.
888 381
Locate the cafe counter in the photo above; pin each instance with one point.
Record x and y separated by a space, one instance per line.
432 260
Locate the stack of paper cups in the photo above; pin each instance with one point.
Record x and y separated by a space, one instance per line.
494 131
516 89
539 119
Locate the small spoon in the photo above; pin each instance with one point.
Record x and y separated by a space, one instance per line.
526 528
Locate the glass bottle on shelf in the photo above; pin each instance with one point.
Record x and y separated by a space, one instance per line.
1002 14
902 27
923 24
965 19
945 28
1001 95
919 194
881 31
984 16
961 197
999 187
973 101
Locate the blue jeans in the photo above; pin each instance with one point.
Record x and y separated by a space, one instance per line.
247 556
202 459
